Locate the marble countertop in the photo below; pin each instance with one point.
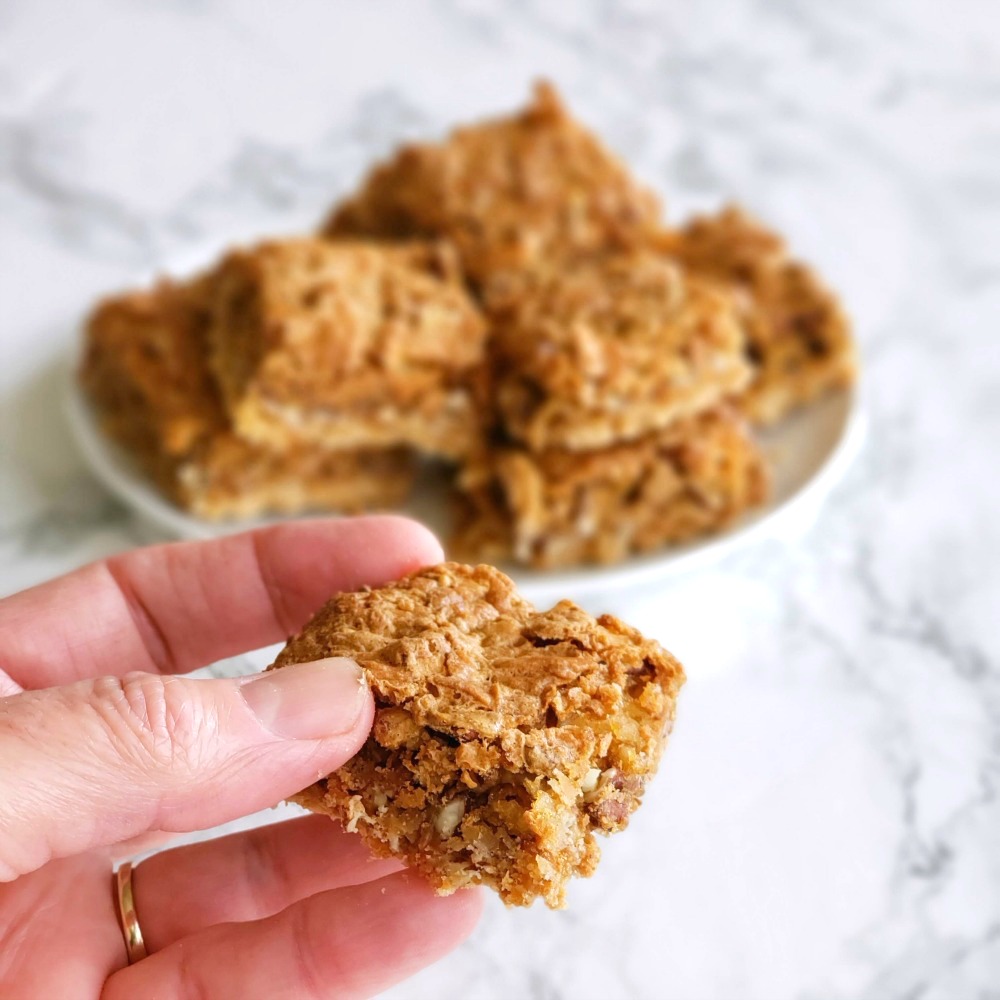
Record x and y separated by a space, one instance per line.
826 824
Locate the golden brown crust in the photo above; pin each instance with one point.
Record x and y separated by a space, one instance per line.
509 193
144 369
347 345
504 737
564 508
797 334
610 349
143 362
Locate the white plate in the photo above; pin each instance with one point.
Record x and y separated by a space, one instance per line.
809 453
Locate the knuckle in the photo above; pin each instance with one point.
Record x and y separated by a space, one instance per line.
191 982
261 871
152 720
266 877
310 938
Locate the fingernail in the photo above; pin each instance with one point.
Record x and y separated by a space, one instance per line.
309 701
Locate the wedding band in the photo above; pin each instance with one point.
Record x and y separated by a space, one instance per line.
134 945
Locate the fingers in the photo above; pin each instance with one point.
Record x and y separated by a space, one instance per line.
350 942
59 935
247 876
97 762
172 608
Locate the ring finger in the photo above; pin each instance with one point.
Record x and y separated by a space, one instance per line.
247 876
351 942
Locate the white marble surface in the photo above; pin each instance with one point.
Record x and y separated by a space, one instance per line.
827 823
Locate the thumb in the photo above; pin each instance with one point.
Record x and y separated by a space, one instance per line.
100 761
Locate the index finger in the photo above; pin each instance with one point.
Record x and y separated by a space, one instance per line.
172 608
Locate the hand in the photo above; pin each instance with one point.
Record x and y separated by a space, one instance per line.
94 754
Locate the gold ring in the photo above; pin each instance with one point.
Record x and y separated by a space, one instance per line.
125 900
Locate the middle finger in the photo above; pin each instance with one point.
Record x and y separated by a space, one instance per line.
247 876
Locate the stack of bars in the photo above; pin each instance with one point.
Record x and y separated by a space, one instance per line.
297 375
507 302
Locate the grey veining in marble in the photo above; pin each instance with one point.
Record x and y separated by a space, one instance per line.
827 823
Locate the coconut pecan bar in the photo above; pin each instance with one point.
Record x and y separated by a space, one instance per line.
563 508
609 350
504 737
509 193
798 338
347 345
145 370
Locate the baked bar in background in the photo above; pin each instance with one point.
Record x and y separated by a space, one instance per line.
798 337
227 478
504 737
564 508
510 193
613 348
348 345
145 371
144 365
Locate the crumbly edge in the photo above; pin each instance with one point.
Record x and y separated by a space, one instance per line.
230 480
775 393
140 368
559 508
442 423
798 336
555 422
